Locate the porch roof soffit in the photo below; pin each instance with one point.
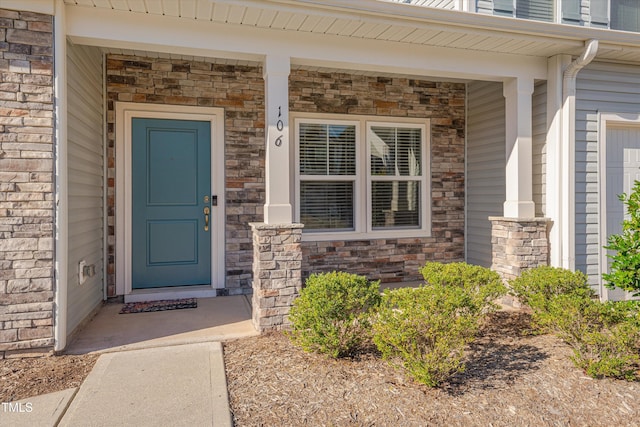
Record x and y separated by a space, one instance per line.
337 26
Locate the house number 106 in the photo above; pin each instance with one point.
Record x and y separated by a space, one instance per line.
280 127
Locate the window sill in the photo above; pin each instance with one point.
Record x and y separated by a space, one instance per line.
373 235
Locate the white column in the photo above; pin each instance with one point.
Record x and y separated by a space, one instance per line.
277 209
519 151
554 157
62 202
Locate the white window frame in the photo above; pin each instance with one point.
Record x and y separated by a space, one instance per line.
357 194
363 228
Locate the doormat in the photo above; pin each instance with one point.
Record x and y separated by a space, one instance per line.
163 305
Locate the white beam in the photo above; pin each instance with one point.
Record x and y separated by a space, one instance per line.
519 151
46 7
121 29
278 161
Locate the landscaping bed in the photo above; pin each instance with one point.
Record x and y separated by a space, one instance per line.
512 378
32 376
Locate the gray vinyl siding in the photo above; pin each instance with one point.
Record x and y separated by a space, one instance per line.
485 170
607 88
539 101
85 175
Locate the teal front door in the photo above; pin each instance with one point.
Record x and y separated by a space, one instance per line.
171 209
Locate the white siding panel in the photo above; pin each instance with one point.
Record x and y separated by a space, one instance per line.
485 167
442 4
607 88
539 147
85 174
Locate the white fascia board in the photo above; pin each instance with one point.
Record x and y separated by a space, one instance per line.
117 29
46 7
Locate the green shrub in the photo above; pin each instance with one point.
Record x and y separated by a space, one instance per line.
537 287
624 271
332 313
483 285
605 337
425 330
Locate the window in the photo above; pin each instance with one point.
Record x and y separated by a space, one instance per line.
327 155
539 10
625 15
395 169
362 176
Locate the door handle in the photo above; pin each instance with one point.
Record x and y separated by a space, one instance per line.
206 218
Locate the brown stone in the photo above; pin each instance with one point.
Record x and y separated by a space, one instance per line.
37 38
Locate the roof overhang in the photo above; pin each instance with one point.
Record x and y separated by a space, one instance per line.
382 22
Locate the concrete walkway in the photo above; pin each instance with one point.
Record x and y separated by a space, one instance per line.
172 386
162 368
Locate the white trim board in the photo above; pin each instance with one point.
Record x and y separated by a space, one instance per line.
606 120
124 112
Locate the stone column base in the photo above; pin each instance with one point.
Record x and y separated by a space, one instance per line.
277 273
518 244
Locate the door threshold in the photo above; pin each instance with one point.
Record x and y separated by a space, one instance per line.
177 292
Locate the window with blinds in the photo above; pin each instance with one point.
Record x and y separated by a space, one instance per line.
361 175
327 168
396 175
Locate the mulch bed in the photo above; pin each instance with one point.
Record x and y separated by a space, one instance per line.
28 377
512 378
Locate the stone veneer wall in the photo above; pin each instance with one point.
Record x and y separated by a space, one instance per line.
26 181
394 260
237 89
518 244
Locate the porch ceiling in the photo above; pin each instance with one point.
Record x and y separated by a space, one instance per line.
390 21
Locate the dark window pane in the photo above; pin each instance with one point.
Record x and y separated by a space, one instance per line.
395 204
326 205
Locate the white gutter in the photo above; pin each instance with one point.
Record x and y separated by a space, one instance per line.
61 250
568 151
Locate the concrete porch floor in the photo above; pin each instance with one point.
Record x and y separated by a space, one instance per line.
215 319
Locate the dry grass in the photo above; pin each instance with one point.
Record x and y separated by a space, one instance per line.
512 379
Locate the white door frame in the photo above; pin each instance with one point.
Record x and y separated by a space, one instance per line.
606 120
124 112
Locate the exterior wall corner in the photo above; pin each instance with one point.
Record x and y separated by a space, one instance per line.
26 182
